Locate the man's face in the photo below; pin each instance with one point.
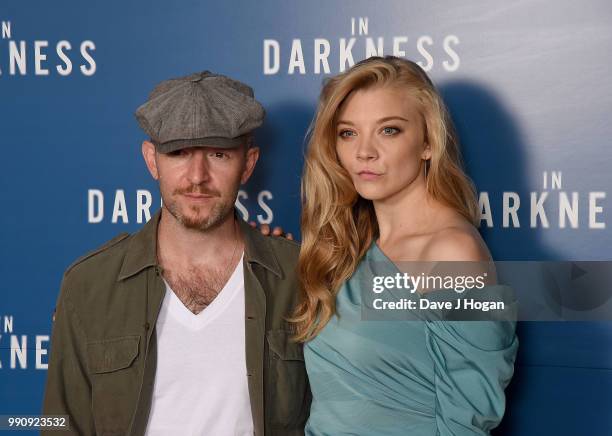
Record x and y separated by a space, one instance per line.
199 185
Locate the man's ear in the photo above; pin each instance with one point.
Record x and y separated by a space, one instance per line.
252 155
148 152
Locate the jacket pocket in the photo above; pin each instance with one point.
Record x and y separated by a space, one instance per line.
112 354
115 379
287 383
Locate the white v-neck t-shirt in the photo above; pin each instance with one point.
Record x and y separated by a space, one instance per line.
201 380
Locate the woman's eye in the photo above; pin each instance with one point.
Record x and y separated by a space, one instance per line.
346 133
390 131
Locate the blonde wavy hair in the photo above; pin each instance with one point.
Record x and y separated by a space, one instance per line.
338 225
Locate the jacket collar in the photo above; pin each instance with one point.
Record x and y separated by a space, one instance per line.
142 249
257 247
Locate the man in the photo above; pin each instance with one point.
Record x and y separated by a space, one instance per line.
180 329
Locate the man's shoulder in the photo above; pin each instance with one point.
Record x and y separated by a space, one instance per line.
284 245
95 260
278 254
285 251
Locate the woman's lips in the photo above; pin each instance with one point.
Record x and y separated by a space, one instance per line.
369 175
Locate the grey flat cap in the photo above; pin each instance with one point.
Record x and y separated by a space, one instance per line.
203 109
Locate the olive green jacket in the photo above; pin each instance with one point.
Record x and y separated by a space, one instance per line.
103 346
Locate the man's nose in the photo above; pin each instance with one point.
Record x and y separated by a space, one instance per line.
198 171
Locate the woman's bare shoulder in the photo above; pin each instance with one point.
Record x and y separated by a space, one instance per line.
458 242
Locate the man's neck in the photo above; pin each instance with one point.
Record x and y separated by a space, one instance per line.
180 245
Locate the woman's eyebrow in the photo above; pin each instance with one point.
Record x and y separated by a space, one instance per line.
394 117
379 121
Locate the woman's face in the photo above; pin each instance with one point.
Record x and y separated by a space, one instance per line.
380 141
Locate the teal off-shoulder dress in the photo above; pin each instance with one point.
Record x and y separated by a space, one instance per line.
408 378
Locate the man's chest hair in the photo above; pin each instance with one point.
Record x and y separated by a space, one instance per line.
196 287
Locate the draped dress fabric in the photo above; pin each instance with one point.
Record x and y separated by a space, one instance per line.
424 377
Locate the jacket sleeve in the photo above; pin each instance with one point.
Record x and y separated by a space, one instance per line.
68 388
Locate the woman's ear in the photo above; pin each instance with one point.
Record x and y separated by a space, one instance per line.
426 155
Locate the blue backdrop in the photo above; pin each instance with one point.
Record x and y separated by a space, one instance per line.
526 82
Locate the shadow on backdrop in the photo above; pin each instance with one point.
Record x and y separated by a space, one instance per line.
281 139
559 364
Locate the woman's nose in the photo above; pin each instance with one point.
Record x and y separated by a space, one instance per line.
366 149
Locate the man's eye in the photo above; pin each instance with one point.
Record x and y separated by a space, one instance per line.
346 133
176 153
390 131
219 155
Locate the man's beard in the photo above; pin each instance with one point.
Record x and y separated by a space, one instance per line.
218 213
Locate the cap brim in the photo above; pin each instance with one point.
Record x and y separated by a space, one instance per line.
214 141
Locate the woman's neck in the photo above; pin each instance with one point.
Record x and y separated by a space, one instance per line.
409 212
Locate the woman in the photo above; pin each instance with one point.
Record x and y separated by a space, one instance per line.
383 183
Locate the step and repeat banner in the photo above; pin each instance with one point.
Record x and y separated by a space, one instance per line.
527 84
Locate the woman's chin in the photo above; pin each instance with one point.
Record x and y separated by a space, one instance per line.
372 195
